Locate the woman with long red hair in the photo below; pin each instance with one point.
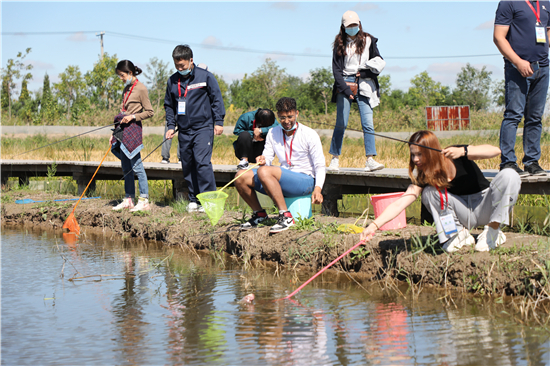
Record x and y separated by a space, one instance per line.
457 194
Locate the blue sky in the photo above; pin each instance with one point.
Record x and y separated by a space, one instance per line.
406 31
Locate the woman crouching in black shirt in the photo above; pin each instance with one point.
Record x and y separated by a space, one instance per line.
454 189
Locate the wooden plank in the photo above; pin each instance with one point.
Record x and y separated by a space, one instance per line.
338 183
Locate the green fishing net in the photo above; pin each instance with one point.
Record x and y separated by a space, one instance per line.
213 204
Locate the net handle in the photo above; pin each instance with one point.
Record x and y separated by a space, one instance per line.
240 175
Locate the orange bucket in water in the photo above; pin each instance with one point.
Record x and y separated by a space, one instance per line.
380 202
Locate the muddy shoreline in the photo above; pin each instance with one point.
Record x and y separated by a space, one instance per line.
520 268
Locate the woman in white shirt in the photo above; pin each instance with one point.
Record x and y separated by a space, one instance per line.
355 58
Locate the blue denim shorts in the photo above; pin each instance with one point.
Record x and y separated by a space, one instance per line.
292 184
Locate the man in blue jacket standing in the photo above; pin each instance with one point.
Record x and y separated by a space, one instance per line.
252 128
194 102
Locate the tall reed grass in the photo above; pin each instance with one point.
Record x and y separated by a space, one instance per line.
403 119
390 153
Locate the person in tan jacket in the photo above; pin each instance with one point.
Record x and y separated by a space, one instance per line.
127 137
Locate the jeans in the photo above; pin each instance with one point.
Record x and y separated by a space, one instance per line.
129 168
165 149
525 97
343 106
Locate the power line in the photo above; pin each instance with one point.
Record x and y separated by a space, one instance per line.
238 49
43 33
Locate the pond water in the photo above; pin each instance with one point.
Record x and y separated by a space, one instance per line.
108 301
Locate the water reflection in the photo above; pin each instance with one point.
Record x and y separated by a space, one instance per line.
113 302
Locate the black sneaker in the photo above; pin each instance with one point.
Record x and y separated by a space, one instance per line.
534 169
284 221
514 166
257 218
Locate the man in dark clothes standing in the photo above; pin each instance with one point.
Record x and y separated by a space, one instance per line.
194 102
521 35
252 128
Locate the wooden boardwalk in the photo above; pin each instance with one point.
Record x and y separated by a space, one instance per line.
338 183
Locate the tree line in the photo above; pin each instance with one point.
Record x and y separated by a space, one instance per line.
79 93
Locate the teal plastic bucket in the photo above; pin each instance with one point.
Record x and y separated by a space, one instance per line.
299 206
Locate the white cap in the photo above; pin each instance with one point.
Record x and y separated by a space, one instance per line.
350 17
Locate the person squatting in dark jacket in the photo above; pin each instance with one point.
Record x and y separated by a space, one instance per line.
194 103
252 128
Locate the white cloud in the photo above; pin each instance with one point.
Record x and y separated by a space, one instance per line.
211 41
277 57
284 5
79 37
315 51
229 77
39 65
305 76
486 25
365 7
400 69
446 72
446 67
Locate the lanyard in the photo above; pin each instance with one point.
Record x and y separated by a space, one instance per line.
254 125
288 157
441 197
537 13
127 95
179 88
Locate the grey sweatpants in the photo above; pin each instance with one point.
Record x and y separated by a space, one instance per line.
165 149
493 204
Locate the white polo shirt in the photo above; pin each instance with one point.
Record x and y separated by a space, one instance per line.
307 152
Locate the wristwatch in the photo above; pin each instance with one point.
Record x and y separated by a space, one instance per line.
465 151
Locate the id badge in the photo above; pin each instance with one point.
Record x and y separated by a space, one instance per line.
181 107
540 33
448 223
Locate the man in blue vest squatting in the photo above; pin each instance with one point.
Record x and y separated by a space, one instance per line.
194 102
252 128
302 169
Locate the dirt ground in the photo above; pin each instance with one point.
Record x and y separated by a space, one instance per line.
520 267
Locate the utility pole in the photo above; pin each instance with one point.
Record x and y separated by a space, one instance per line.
101 34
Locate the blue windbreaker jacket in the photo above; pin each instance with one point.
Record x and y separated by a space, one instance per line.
204 103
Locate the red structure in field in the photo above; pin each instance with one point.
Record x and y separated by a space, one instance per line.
448 118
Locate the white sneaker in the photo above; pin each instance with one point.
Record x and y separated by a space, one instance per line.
371 165
194 207
489 239
243 164
334 163
284 222
164 161
458 240
126 203
142 205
